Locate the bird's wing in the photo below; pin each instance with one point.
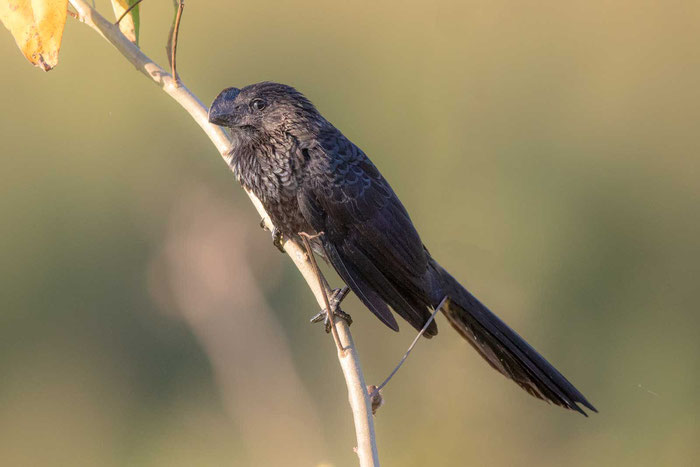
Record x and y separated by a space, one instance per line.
368 235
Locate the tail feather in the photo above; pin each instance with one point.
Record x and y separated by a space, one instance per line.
505 350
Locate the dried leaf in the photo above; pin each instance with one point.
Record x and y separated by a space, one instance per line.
129 25
37 26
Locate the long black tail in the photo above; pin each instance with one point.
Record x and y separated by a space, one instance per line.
504 349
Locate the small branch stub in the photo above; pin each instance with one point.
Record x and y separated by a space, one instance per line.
375 397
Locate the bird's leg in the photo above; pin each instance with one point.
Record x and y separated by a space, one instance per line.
277 238
336 297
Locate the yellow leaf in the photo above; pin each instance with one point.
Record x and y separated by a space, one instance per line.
129 25
37 26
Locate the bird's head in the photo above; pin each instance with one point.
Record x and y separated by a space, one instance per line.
265 107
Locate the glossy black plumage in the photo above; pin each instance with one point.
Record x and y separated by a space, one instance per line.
311 178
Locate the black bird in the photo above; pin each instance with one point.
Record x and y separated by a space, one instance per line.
310 178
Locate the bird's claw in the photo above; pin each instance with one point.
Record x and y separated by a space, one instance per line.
334 300
277 238
323 316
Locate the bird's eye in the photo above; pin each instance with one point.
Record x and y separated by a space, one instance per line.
258 104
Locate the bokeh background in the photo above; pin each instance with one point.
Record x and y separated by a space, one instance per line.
548 153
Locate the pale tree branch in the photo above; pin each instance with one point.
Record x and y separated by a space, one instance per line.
347 355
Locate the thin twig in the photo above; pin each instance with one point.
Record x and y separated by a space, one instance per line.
349 360
410 347
309 251
173 38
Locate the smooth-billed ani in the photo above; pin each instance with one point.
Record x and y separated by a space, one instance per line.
310 178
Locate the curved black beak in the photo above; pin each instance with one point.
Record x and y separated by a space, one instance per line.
221 111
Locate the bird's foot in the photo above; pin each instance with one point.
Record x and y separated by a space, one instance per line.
277 238
334 300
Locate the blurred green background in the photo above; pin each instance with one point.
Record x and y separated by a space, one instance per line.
548 153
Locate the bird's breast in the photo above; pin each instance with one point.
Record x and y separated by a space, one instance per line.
272 178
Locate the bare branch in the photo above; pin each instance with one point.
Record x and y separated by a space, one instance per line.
310 254
347 356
